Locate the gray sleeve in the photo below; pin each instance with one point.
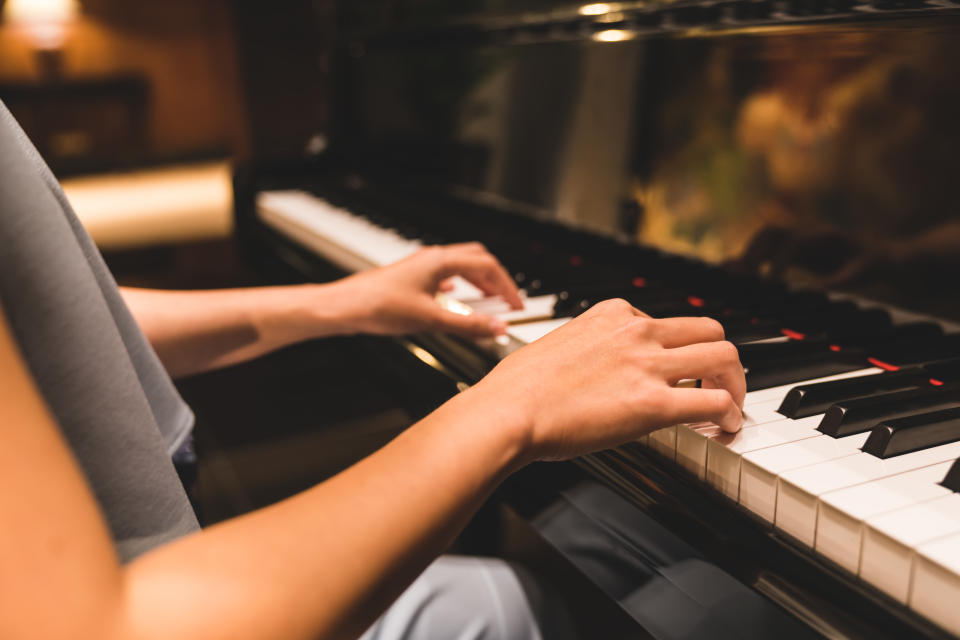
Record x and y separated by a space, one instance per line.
95 370
173 417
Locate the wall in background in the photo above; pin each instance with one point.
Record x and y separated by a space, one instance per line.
186 51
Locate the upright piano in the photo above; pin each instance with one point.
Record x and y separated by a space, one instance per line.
788 167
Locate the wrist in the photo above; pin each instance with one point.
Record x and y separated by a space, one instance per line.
310 311
348 306
492 417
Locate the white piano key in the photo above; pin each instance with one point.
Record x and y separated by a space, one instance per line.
342 237
346 239
464 290
935 589
842 513
774 340
692 447
284 212
761 412
759 469
724 451
689 445
534 308
799 490
532 331
495 306
890 539
664 441
691 440
492 305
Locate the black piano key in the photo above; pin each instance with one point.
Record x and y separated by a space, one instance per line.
620 288
791 302
652 300
913 433
866 322
754 324
823 317
918 331
811 399
843 327
952 479
757 354
745 299
905 333
943 370
542 281
839 319
807 367
677 307
908 352
856 416
814 324
860 337
743 333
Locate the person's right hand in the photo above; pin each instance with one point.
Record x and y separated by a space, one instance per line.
608 377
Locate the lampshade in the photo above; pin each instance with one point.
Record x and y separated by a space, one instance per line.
45 21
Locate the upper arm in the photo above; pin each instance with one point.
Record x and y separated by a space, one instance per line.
59 569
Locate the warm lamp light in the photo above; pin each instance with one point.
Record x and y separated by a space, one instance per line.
613 35
45 21
595 9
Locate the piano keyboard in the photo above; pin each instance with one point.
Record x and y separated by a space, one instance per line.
851 435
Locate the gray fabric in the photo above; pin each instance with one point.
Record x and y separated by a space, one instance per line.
461 598
114 402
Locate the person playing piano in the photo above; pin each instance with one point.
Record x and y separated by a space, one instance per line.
98 537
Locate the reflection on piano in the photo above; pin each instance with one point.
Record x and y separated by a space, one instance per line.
787 168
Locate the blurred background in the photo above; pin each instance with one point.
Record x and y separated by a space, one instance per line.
141 110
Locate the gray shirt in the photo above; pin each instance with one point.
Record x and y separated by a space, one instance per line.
112 399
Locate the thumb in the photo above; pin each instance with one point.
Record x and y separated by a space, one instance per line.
475 325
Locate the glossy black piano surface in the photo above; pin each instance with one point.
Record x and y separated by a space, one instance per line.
694 158
820 153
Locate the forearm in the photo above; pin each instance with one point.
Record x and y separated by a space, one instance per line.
326 563
194 331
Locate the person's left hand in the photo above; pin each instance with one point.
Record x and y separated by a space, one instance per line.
401 298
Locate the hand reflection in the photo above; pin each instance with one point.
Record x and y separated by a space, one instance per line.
775 250
834 258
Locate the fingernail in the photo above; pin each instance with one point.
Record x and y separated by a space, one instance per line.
498 327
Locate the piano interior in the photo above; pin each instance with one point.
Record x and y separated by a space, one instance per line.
788 167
